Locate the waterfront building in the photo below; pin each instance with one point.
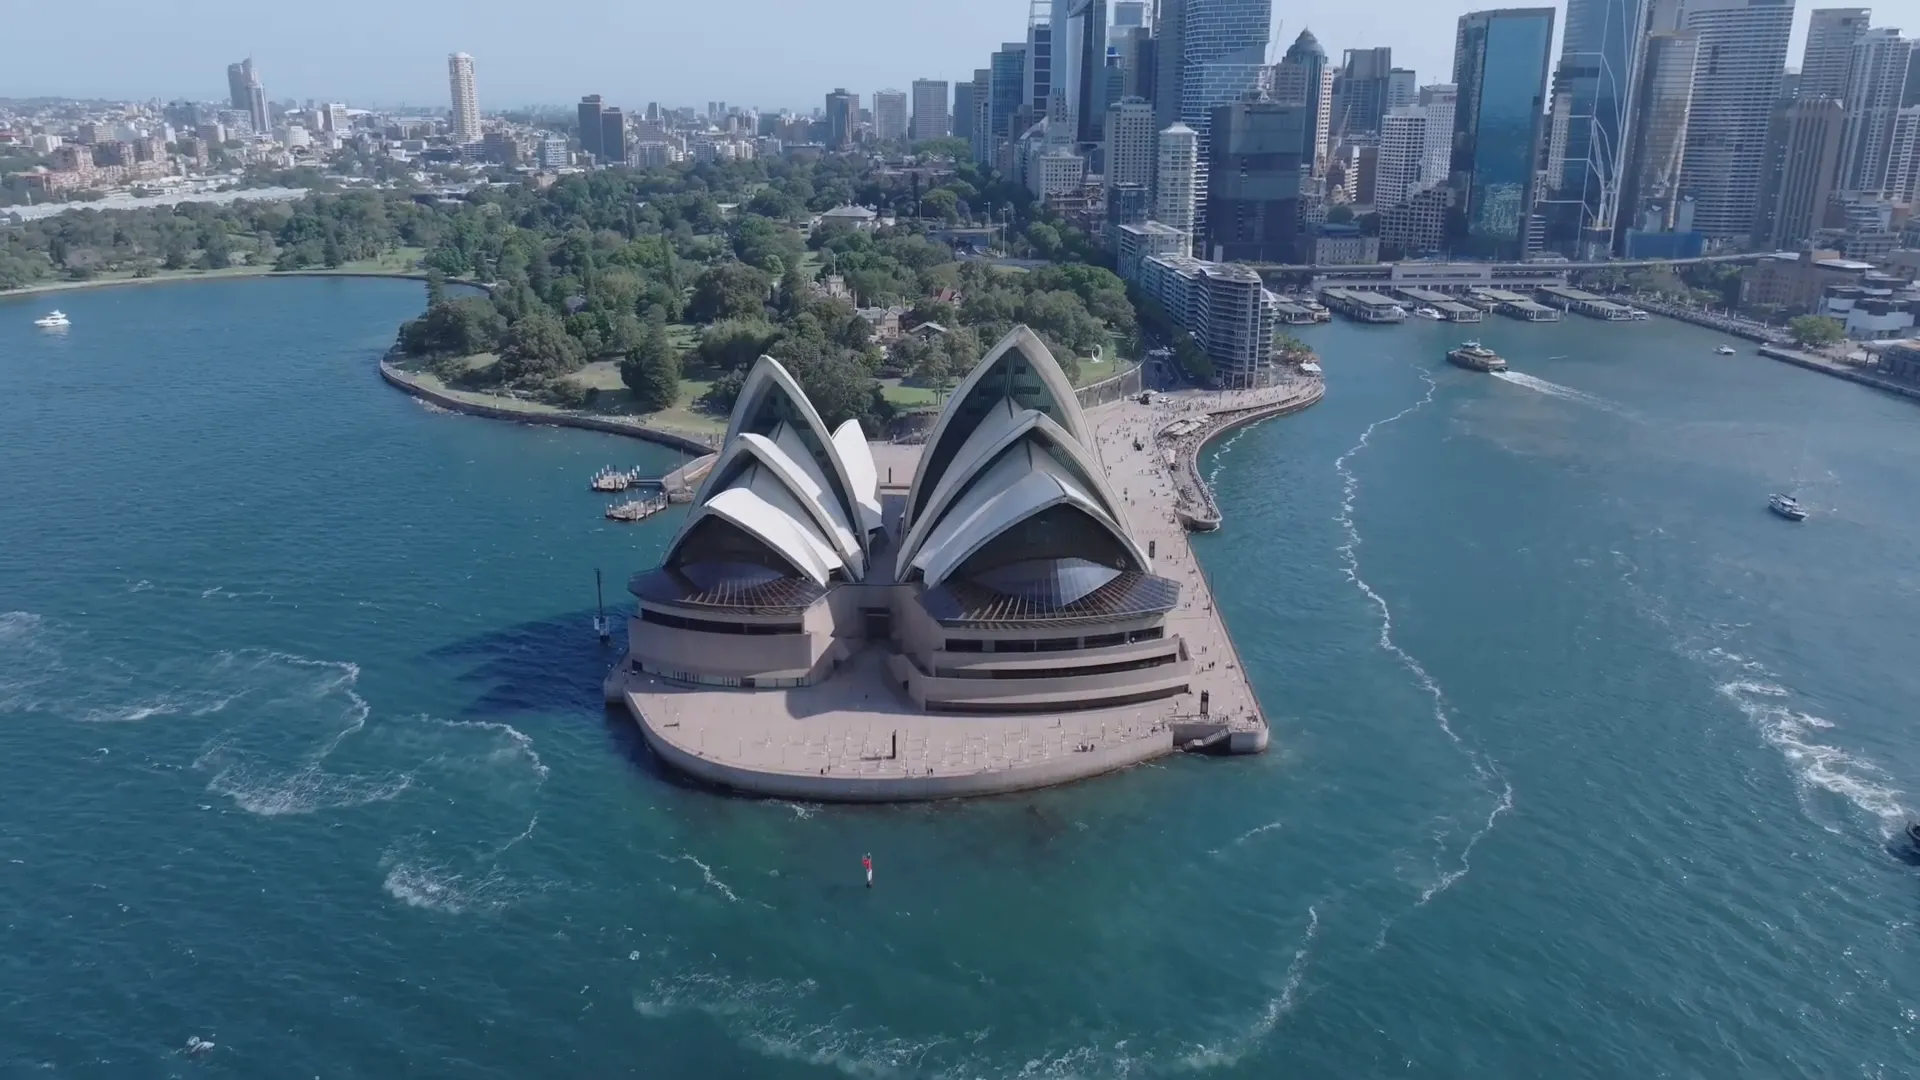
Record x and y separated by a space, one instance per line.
1500 66
889 115
1807 139
1360 90
1795 280
1743 46
1173 184
961 126
843 119
1828 57
1137 243
1009 544
464 117
929 118
1225 307
589 120
1302 77
1876 82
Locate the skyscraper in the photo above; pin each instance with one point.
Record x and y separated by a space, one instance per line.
464 118
1223 58
1876 80
1401 87
1130 143
1007 93
1599 53
247 95
1807 139
1650 184
929 118
1831 34
889 114
1303 78
1500 67
613 137
1173 178
1040 60
1439 102
1253 189
589 121
1169 62
1743 50
1360 91
1403 145
962 125
1903 163
980 143
843 117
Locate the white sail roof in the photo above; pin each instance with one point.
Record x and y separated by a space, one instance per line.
760 504
770 398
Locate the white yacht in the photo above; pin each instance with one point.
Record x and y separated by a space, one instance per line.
53 318
1428 313
1724 350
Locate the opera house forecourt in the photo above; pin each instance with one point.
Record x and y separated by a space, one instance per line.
821 630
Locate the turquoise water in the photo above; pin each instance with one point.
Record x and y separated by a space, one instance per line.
1584 764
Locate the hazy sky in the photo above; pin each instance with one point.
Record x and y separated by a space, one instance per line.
766 53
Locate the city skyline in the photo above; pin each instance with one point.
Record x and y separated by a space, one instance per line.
639 55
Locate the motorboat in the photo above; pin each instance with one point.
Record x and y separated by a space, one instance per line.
1428 313
1476 357
1724 350
1637 315
52 319
1787 507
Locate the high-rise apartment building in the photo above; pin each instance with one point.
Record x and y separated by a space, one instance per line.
843 119
1500 66
1743 53
890 114
929 117
1831 35
1257 155
1650 184
589 122
1360 91
1903 160
1302 77
1876 81
464 118
1173 178
1806 137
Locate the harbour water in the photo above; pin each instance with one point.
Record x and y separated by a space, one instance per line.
1583 765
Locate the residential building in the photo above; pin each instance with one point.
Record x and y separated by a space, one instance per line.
1828 59
1903 159
1302 77
1876 81
589 120
961 126
1807 139
1657 133
1500 67
889 115
1135 244
929 117
1743 49
1256 161
1225 307
613 137
843 119
463 119
1174 188
1360 91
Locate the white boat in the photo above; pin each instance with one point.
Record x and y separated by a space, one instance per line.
53 318
1787 507
1724 350
1428 313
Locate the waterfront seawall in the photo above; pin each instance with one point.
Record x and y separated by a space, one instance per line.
1828 367
456 401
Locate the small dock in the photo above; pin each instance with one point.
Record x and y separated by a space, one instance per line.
1513 305
637 509
1581 302
1362 305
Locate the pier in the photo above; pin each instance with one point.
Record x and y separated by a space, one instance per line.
637 509
1449 308
1364 306
1513 305
1581 302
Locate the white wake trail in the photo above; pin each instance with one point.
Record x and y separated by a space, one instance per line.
1485 769
1565 393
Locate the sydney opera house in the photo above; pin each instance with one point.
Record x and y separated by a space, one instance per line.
807 605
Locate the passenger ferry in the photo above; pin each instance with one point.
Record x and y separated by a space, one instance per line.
1787 507
1476 357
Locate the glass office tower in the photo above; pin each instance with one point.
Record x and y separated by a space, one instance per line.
1500 65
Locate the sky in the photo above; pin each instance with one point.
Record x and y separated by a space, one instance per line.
770 54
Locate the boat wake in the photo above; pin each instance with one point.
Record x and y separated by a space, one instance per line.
1486 771
1230 1053
1565 393
1219 455
1817 766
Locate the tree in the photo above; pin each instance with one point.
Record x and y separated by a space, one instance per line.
727 291
538 345
942 204
733 345
1817 331
1340 214
652 371
436 287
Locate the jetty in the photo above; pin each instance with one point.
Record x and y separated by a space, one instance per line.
637 509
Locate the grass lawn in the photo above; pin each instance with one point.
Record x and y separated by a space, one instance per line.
403 260
908 397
